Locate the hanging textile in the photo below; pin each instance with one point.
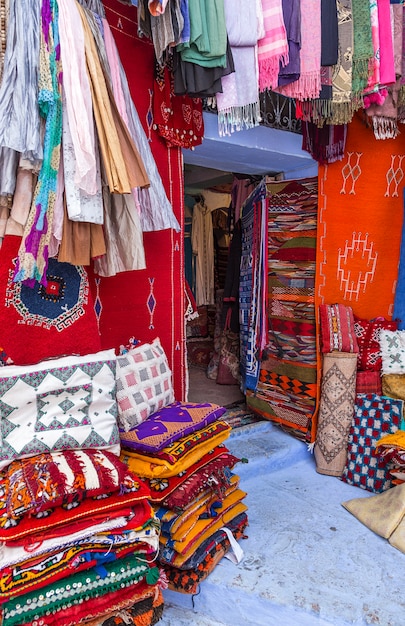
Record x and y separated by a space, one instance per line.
33 254
357 263
287 389
273 46
253 286
238 101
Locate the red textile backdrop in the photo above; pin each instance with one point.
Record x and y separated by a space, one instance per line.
360 219
147 303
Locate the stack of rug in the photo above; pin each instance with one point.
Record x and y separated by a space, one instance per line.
179 451
79 536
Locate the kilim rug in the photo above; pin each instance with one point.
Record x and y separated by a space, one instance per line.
360 224
147 303
287 389
238 414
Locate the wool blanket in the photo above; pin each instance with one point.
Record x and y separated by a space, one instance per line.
359 225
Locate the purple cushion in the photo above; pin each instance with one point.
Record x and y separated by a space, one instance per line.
170 424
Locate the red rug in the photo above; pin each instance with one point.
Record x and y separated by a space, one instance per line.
45 322
359 224
147 303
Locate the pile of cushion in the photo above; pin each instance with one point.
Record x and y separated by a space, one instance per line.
179 451
79 536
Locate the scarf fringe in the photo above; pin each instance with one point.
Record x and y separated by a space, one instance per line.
342 112
269 69
360 75
385 127
237 118
316 111
309 86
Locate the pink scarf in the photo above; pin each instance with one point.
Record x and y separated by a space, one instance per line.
309 83
387 69
273 47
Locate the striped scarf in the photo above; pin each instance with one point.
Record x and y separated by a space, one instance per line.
273 47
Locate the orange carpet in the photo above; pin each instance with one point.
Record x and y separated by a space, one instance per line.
359 224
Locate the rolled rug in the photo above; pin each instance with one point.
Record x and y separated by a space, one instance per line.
338 392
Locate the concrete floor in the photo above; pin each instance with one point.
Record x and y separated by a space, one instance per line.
307 561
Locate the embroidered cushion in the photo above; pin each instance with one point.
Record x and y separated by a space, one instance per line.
144 383
368 338
170 424
184 452
374 416
60 404
337 328
45 481
393 351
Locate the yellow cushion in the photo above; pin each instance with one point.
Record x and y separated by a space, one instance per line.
381 513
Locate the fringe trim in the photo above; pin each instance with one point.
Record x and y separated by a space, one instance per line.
237 118
316 111
385 127
360 74
269 69
342 112
308 86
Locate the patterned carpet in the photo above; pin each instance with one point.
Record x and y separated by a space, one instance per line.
237 415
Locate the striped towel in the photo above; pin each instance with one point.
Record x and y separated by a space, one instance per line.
273 47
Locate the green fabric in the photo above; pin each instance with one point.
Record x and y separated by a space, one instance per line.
363 50
73 590
208 36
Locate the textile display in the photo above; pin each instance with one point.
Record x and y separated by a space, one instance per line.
59 564
184 452
287 391
149 295
337 328
45 321
368 339
144 383
253 286
399 301
393 385
120 574
391 449
145 611
336 407
177 491
168 425
63 519
205 559
74 406
392 344
41 482
373 417
383 514
369 382
357 264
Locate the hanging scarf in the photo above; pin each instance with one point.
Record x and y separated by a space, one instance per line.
309 83
326 144
387 70
79 110
273 47
290 72
342 108
33 254
374 74
238 104
363 51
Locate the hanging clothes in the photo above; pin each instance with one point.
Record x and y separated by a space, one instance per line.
202 239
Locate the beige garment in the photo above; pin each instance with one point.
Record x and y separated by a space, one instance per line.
4 213
123 166
22 200
81 242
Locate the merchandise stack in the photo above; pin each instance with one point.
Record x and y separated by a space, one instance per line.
79 536
178 449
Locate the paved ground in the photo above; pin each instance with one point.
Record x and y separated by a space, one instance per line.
307 561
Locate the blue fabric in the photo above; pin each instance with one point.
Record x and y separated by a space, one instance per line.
399 301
